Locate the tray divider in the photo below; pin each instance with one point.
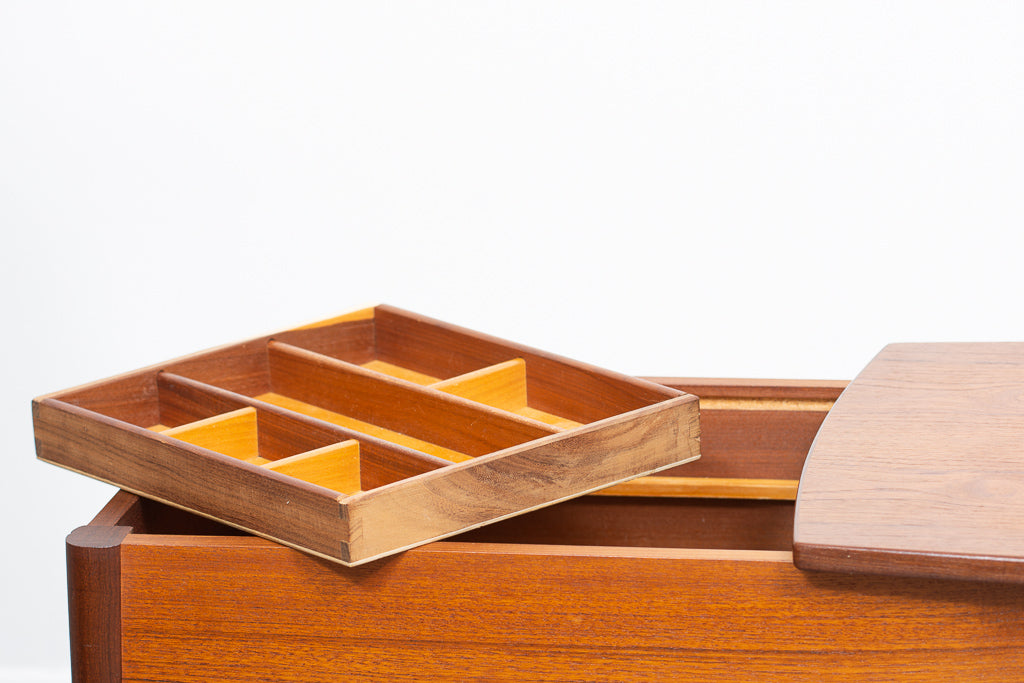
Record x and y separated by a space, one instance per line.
502 386
233 433
418 411
381 462
335 466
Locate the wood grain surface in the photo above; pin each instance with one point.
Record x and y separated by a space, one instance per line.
749 428
919 468
94 600
476 611
521 478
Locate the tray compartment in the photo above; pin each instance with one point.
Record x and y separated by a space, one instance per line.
425 351
286 433
240 434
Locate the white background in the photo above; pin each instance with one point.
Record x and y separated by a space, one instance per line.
712 189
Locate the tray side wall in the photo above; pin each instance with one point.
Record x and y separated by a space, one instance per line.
271 505
522 478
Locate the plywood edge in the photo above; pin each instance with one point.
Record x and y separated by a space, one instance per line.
800 405
681 554
454 546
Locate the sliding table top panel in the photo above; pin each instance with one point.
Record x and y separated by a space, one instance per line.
919 468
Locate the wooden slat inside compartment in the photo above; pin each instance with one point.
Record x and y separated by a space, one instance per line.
503 385
420 412
319 413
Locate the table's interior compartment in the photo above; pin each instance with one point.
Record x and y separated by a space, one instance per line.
649 523
588 521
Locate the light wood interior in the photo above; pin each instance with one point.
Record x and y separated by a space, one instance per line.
501 386
335 467
745 501
233 434
398 371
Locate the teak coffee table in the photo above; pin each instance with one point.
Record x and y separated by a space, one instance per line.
687 575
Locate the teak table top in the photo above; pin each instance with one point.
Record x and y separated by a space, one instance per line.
919 467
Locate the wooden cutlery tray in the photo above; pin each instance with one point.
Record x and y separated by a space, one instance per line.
367 434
